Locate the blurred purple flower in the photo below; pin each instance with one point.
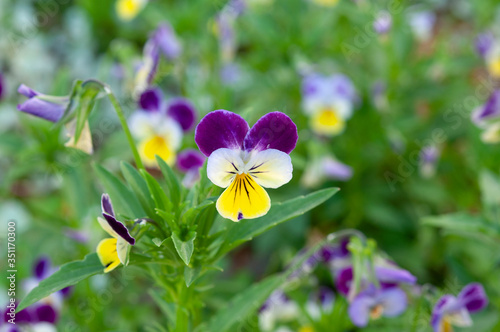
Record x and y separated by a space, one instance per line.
323 168
189 162
277 308
47 107
373 303
164 36
2 86
429 156
450 310
320 301
422 24
77 235
230 73
484 43
489 110
383 22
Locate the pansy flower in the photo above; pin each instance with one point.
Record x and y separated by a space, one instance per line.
487 117
159 126
129 9
113 251
162 41
484 43
320 302
422 24
373 303
454 311
325 167
278 308
189 162
44 314
51 108
328 101
429 156
245 160
383 22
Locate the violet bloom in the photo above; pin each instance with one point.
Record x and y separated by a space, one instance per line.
230 73
454 311
277 308
160 125
429 156
47 107
244 160
383 22
329 101
325 168
164 36
484 43
148 67
379 95
52 108
114 250
373 303
43 315
389 275
321 302
189 162
487 117
422 24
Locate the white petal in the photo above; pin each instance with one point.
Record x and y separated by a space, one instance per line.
104 224
270 168
170 130
142 124
122 248
223 165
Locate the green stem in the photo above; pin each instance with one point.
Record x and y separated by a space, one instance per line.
123 121
182 319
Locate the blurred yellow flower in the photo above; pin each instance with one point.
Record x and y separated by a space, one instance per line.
327 121
494 67
128 9
326 3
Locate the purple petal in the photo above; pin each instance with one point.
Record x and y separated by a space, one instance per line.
330 252
46 313
183 111
326 297
43 109
440 309
150 99
42 268
473 297
220 129
27 91
106 205
359 309
334 169
77 235
65 292
119 228
484 43
23 316
394 301
190 159
490 109
394 275
230 73
429 154
343 280
166 40
274 130
152 56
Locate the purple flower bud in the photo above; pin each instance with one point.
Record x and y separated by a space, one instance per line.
46 107
190 159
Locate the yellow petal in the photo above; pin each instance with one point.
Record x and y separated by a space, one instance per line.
153 146
494 67
327 122
128 9
244 198
106 251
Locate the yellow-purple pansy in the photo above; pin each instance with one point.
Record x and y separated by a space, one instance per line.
114 250
244 161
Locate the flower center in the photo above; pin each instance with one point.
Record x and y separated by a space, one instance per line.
446 325
327 121
156 145
377 311
494 67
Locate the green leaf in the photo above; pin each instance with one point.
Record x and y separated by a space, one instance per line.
69 274
167 308
463 223
184 248
159 196
191 274
242 305
173 185
123 199
490 193
139 186
245 230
